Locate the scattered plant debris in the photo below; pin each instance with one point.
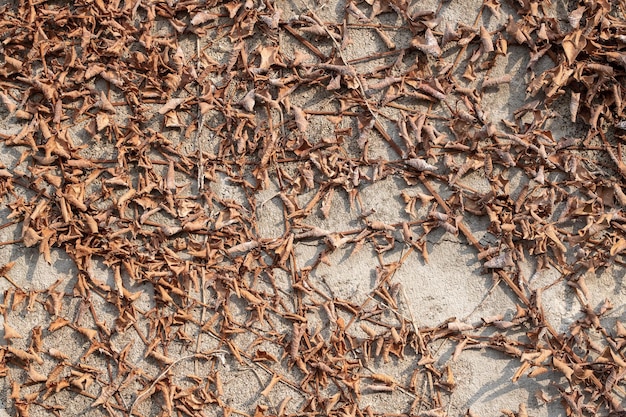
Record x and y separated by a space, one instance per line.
127 123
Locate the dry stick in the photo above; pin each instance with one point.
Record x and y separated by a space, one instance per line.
93 397
306 43
5 276
415 326
385 135
327 113
429 115
202 315
374 25
200 118
423 388
491 290
141 336
2 226
10 242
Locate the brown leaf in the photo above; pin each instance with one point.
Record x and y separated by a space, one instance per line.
494 7
458 326
8 102
272 383
6 268
485 38
105 104
489 82
243 247
93 70
248 101
263 356
57 354
21 406
420 164
171 119
563 367
171 104
233 8
428 44
10 332
203 17
334 84
572 44
36 376
102 121
12 65
23 355
618 247
386 379
30 237
91 334
106 393
499 262
300 118
575 16
269 56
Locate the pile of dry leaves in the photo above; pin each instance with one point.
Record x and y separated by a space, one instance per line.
130 112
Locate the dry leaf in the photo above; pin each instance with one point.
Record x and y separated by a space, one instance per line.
563 368
10 332
248 101
428 44
172 104
300 117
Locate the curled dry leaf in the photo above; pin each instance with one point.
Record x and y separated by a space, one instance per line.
10 332
458 326
8 103
300 116
203 17
499 262
248 101
428 44
563 368
573 44
486 40
384 378
171 104
496 81
243 247
31 238
420 165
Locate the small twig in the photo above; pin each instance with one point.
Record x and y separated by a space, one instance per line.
200 118
202 314
10 242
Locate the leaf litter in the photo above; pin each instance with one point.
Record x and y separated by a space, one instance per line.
138 79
